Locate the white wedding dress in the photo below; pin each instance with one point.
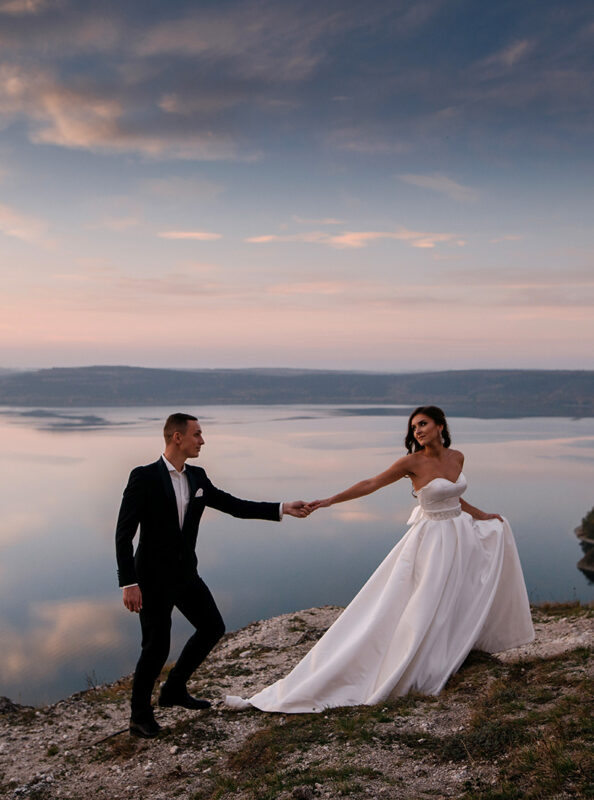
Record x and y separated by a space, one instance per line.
451 584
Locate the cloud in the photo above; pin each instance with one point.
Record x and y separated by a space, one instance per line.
21 226
443 185
242 36
201 236
233 81
315 237
173 284
179 188
49 30
81 116
537 290
514 276
490 288
313 287
263 40
113 289
506 238
510 55
18 7
322 221
186 103
358 239
414 238
369 139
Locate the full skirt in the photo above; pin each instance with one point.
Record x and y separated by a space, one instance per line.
447 587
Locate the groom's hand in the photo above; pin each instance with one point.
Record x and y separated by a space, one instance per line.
132 597
298 508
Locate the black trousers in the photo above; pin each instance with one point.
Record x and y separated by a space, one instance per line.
197 604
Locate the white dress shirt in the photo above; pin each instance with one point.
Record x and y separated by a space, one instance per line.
181 489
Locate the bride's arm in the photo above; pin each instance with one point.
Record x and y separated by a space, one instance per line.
398 470
476 513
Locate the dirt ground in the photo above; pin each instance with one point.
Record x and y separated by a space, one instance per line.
469 742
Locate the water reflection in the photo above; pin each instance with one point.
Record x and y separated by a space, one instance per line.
59 645
585 534
62 420
62 618
586 563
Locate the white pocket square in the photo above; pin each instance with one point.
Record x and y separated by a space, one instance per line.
199 492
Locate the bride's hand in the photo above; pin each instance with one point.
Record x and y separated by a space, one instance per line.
492 516
315 504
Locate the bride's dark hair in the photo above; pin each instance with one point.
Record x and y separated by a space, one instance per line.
434 413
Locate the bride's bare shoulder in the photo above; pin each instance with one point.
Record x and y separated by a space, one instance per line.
409 462
459 456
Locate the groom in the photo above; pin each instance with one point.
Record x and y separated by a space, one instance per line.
167 499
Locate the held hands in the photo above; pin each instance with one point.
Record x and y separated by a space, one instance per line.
132 597
297 508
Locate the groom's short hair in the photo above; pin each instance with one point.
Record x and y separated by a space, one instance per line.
176 422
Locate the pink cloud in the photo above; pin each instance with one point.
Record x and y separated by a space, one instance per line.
358 239
18 7
313 287
89 119
201 236
443 185
21 226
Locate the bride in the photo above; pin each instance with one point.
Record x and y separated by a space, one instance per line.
452 583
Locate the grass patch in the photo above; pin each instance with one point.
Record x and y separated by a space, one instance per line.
355 726
572 609
6 789
188 732
257 766
267 786
477 671
297 624
262 751
537 721
237 670
117 692
491 739
118 748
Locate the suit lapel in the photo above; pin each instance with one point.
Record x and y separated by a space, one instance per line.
171 504
193 485
192 481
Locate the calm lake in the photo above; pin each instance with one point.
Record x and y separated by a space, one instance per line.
62 624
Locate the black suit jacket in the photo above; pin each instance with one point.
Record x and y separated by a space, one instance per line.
166 554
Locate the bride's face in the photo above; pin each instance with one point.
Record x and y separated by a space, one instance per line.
425 430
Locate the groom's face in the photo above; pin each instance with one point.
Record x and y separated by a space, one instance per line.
191 440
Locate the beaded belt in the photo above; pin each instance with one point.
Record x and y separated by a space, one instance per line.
454 512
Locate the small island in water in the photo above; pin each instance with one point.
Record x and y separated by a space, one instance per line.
585 533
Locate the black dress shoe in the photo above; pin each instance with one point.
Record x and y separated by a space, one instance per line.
180 697
146 727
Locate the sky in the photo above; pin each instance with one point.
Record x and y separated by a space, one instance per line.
402 185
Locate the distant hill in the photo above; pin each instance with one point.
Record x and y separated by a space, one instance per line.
479 393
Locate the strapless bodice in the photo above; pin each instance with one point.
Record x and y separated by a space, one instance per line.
439 499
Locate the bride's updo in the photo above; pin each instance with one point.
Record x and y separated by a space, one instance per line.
434 413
